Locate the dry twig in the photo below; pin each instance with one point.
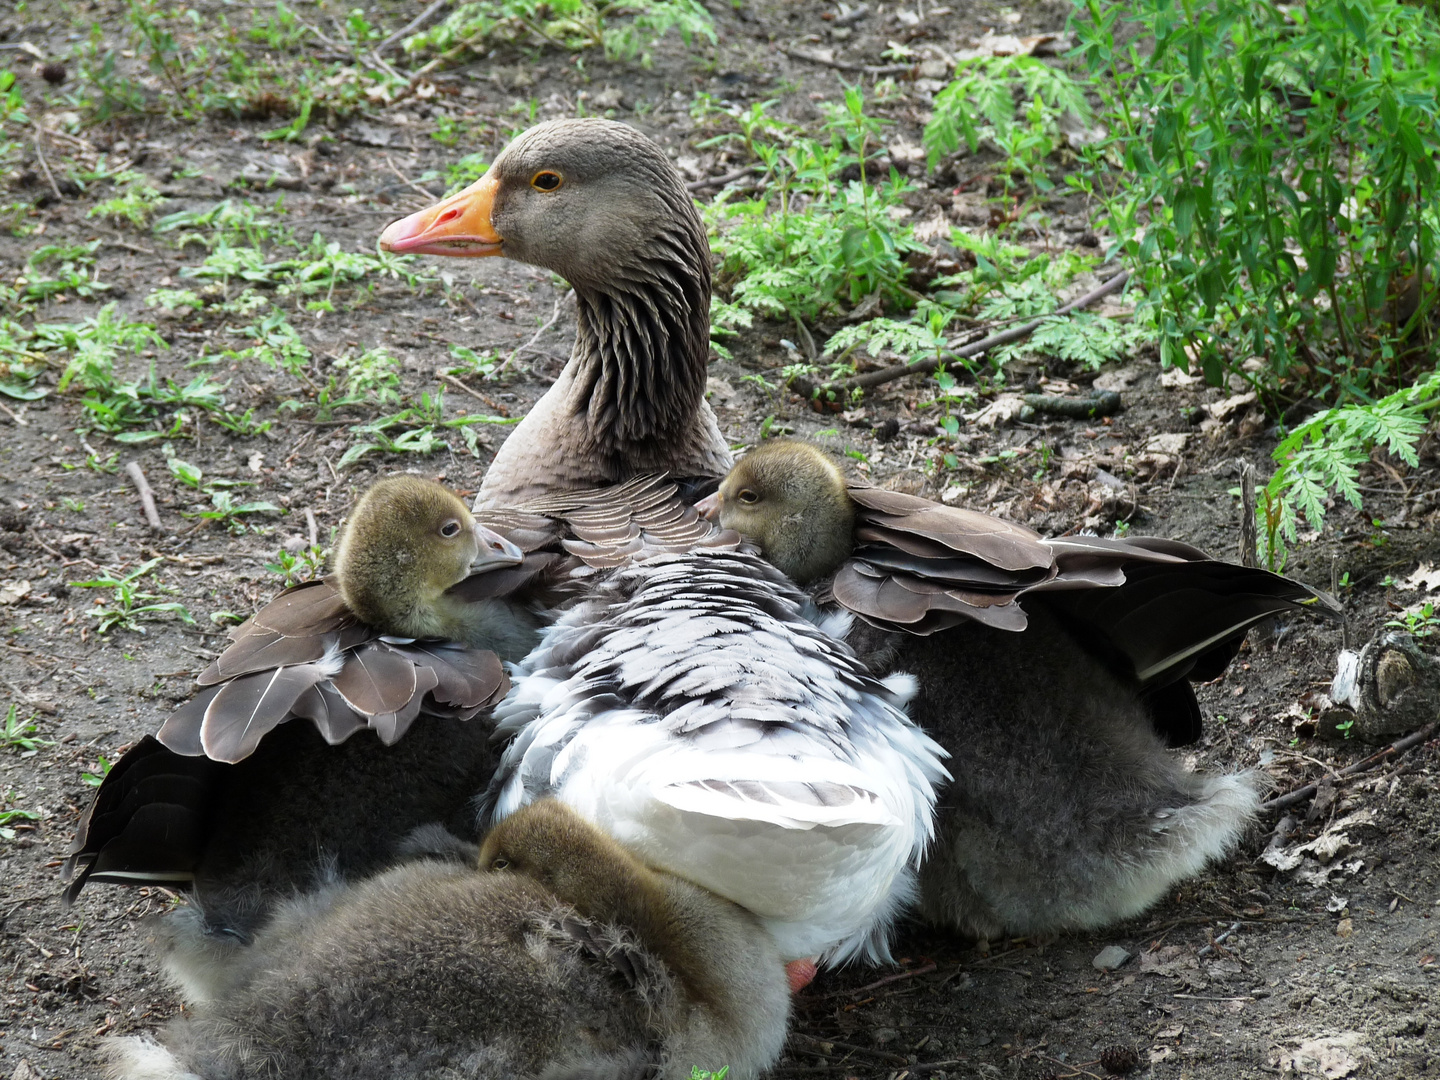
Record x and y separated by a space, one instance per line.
414 26
147 496
846 65
1400 746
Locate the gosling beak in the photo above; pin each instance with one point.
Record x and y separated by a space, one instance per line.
459 225
709 506
495 551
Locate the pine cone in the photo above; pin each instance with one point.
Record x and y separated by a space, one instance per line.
1118 1060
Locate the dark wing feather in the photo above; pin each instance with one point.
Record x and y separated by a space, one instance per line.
1000 543
923 567
147 821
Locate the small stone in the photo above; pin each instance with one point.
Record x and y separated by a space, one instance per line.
1110 958
1344 928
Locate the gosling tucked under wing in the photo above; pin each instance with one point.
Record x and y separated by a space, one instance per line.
229 792
599 204
1155 611
1066 810
692 707
576 960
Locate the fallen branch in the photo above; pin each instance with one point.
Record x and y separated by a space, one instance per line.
1395 749
147 497
924 969
44 167
1219 939
846 65
1099 403
414 26
808 389
721 181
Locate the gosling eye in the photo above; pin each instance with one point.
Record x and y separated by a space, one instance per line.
450 528
748 497
546 180
500 862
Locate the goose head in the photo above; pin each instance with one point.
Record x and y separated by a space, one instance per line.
407 541
791 498
599 204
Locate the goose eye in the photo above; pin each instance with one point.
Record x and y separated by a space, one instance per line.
546 180
748 497
499 863
450 528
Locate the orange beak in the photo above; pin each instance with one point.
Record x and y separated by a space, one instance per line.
460 225
709 507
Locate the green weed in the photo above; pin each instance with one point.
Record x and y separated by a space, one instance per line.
17 734
135 204
102 770
294 567
127 606
567 24
1278 186
10 815
224 507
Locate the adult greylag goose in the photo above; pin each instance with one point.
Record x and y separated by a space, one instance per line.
1051 670
599 204
382 640
560 955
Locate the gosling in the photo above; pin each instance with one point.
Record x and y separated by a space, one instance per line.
561 955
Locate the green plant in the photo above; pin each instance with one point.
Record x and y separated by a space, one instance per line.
812 243
697 1073
96 778
127 607
567 24
1027 133
1420 621
17 734
1278 195
10 814
1324 456
135 204
223 505
76 273
306 564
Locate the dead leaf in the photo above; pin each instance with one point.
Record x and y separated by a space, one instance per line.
1328 1056
12 592
1426 578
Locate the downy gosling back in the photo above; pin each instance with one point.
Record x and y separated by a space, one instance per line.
561 955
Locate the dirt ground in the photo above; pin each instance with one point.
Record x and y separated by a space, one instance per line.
1328 962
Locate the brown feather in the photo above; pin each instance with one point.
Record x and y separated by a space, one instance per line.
376 680
248 707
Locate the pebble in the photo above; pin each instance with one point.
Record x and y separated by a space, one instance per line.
1110 958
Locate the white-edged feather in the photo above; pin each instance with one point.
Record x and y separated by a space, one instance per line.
694 708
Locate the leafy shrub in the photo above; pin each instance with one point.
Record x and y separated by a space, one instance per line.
985 88
1277 199
568 24
1279 188
811 244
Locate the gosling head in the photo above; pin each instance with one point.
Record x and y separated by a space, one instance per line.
790 498
408 540
552 844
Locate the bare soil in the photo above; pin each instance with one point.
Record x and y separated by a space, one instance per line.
1330 968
